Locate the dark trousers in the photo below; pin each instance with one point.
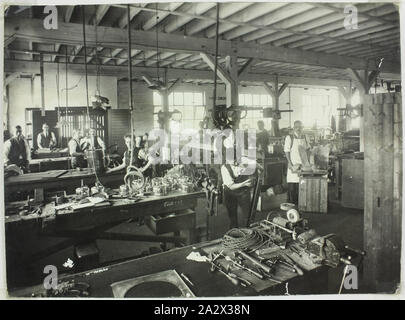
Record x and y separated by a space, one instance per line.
233 199
292 194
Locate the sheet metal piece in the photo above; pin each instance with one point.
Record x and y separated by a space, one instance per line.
171 276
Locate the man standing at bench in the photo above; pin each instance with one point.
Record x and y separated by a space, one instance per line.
46 139
17 151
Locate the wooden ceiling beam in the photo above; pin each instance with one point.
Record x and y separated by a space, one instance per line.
11 66
71 34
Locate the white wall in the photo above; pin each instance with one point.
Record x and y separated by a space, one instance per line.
20 93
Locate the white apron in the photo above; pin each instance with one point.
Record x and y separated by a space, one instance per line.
295 159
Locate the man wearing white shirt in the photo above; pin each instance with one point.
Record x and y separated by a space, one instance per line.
294 145
46 139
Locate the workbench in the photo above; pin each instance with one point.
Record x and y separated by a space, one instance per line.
58 163
67 180
47 153
206 284
46 164
88 224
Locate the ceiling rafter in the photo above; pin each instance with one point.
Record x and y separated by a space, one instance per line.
31 29
253 25
122 72
359 13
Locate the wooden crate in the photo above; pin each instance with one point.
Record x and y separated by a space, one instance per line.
313 194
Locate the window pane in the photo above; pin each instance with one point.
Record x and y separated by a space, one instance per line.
188 98
178 98
157 99
241 99
181 109
188 112
248 99
306 100
256 100
199 113
198 99
263 100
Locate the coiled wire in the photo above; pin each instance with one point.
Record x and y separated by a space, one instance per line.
244 239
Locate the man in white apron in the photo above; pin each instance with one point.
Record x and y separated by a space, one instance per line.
293 145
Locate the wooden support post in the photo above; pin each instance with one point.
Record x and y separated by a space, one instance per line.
365 80
275 95
229 76
383 191
174 85
347 93
246 67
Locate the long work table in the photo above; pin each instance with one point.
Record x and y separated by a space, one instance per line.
67 180
71 226
205 283
58 163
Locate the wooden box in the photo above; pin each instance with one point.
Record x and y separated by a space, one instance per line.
182 220
353 183
313 194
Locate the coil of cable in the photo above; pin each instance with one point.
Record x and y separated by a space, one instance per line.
244 239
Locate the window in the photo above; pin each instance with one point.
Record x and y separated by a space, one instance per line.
316 111
252 116
355 122
190 104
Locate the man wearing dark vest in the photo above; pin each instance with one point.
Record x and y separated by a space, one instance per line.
136 161
92 142
237 187
76 151
46 139
17 151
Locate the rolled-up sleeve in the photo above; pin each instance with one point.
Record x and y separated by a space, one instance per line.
287 144
27 150
39 141
72 147
6 152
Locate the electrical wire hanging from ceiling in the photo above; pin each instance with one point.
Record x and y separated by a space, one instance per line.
214 99
58 97
87 85
131 106
98 89
157 45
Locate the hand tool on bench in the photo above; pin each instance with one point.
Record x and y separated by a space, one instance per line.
243 281
215 267
291 263
255 261
242 267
